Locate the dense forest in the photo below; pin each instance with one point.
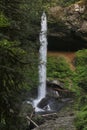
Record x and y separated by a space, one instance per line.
19 46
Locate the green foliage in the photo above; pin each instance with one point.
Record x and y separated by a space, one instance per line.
19 24
81 79
81 58
66 2
31 73
81 119
11 76
50 3
83 102
4 22
24 16
57 67
81 116
81 68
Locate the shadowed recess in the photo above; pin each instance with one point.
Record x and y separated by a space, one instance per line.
66 44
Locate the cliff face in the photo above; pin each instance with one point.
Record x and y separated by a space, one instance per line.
68 26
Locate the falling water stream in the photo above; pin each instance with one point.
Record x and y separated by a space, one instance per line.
42 62
45 102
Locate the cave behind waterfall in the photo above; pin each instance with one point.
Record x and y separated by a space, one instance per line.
59 44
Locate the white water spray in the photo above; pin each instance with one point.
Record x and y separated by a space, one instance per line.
42 62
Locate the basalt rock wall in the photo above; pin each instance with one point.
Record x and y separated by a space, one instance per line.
67 27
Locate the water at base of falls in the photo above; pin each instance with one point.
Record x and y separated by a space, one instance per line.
35 103
38 109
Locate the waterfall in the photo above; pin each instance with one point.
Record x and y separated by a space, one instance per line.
42 62
42 58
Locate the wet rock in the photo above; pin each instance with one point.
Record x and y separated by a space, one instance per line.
55 82
52 104
44 102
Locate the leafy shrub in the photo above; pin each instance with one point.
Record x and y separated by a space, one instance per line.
4 22
81 58
57 67
81 77
81 119
11 75
81 68
82 103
